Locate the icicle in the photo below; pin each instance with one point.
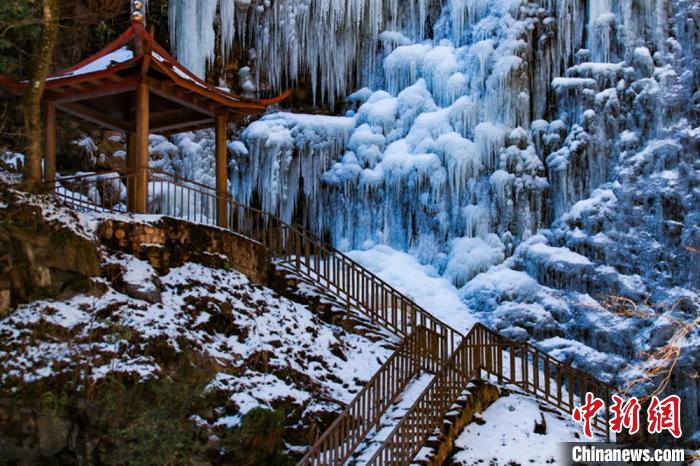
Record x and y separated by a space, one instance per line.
192 32
292 38
476 219
601 27
490 139
402 66
227 10
464 116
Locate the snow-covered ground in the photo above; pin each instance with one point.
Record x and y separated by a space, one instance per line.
216 313
261 349
419 282
504 434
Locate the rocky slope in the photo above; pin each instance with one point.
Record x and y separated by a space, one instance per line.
189 363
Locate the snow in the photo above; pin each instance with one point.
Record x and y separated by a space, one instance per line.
252 390
505 434
120 55
562 84
193 303
471 256
13 159
436 294
541 251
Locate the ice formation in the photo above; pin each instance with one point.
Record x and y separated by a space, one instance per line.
558 137
496 113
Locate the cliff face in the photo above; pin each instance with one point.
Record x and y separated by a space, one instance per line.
542 156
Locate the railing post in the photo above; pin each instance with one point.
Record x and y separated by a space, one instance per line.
499 362
571 389
525 365
297 253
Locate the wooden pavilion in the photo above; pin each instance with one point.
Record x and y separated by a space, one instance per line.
135 86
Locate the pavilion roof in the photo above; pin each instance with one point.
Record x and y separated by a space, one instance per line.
95 88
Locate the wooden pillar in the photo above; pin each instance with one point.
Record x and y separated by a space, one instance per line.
50 143
221 170
130 168
137 153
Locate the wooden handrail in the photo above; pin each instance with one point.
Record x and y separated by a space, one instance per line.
456 360
364 412
416 425
483 350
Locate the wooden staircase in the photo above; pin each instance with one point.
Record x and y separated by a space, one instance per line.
428 344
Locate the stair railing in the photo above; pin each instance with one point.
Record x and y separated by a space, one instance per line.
419 422
415 353
483 350
539 374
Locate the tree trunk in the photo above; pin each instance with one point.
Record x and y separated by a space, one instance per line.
42 56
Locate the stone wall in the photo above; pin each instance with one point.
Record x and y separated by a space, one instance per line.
167 242
41 258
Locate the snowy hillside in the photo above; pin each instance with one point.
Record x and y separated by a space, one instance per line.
240 348
541 157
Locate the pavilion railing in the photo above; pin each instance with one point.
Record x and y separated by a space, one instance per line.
456 360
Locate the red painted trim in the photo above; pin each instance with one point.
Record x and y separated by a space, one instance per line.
58 81
276 100
171 62
194 83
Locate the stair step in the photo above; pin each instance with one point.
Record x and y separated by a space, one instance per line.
389 420
478 396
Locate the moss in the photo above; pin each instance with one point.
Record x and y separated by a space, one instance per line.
259 441
149 423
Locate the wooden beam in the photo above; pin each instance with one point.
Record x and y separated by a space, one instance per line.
209 124
89 114
221 170
168 127
50 143
179 98
101 90
174 114
139 152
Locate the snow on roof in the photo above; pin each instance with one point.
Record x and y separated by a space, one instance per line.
119 56
180 72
